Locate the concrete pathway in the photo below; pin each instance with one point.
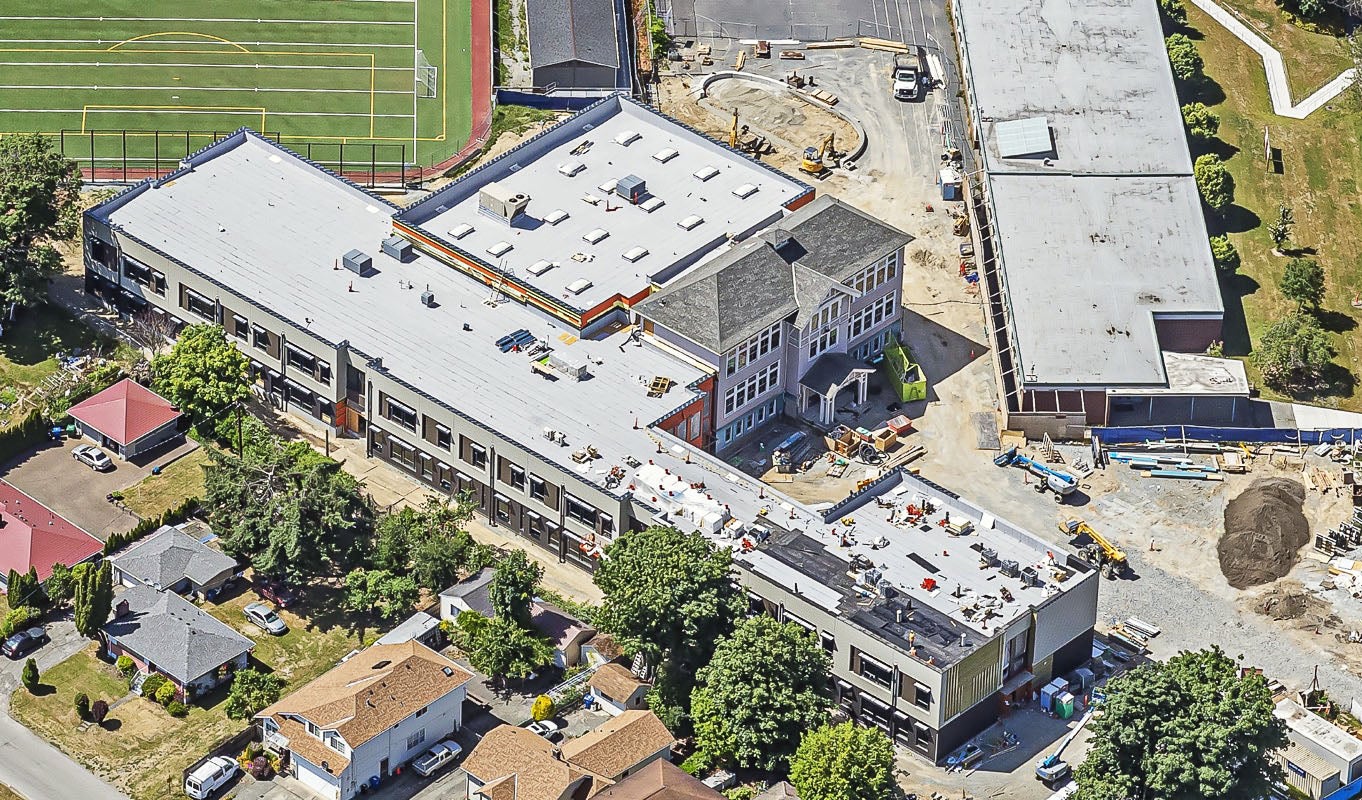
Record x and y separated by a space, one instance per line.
1277 87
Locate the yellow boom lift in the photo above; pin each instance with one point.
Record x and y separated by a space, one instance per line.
1100 550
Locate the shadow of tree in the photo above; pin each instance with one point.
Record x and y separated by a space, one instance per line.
1234 330
1235 219
1335 321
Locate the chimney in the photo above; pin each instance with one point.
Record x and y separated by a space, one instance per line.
121 610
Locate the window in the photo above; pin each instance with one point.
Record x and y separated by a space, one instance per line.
301 359
876 274
402 415
479 455
240 327
821 343
753 349
503 507
313 729
923 698
402 453
517 477
416 739
422 711
740 395
539 490
580 511
443 437
830 311
200 305
874 314
260 337
872 670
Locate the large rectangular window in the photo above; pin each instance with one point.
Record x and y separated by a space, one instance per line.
753 349
539 490
403 453
872 670
516 477
240 327
200 306
260 338
401 414
873 314
444 438
822 342
877 273
478 455
743 393
580 511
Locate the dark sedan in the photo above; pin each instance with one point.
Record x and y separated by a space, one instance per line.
23 643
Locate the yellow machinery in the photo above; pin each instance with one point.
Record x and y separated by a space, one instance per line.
738 139
812 163
1100 551
733 132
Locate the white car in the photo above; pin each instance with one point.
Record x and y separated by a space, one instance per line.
209 777
544 727
265 619
92 457
443 753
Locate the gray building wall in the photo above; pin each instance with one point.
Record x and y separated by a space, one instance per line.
575 74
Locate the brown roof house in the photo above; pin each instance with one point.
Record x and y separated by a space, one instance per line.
660 780
617 690
565 632
511 763
376 711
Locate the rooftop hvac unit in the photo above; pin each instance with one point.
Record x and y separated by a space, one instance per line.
1030 577
989 556
428 299
571 168
497 201
396 247
871 576
358 263
631 188
572 369
1009 568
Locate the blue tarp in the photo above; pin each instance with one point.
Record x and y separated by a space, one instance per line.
1134 435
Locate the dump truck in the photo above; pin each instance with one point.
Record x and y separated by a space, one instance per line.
908 72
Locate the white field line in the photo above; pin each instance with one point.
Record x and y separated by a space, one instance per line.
46 18
133 110
122 87
1277 87
195 66
197 41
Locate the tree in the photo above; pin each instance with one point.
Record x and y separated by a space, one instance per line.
392 596
1202 123
99 709
23 588
1307 9
1186 61
430 542
542 708
843 762
152 330
1214 181
252 690
16 619
1224 254
1183 729
60 584
766 685
203 373
1294 353
29 677
1303 282
1174 11
499 647
93 599
39 205
284 508
511 591
1280 230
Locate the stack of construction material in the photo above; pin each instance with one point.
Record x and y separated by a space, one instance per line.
1153 465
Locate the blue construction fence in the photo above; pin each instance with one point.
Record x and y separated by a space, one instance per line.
1154 433
1350 792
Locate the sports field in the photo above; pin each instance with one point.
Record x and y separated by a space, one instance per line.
129 78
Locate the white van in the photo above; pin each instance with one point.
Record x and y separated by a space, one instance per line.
209 777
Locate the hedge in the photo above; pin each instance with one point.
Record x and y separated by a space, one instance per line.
174 516
15 439
17 619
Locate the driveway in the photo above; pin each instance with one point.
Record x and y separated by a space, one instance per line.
451 784
52 477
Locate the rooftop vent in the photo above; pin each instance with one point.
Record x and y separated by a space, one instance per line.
540 267
666 154
461 230
381 664
358 263
448 671
578 286
706 172
627 138
571 168
635 253
500 248
746 190
691 222
497 201
595 235
652 204
396 247
609 186
428 298
555 216
631 188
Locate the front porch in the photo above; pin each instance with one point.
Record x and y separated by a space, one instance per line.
829 376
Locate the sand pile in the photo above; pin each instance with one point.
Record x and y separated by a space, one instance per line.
1264 527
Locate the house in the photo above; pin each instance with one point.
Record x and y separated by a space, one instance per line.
367 716
620 746
419 627
617 689
576 44
659 780
511 763
171 559
1319 757
166 634
600 649
780 790
127 418
565 632
33 536
470 594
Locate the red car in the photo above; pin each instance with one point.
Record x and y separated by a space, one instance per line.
276 592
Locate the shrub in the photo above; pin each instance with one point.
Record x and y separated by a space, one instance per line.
126 666
1174 10
542 708
17 619
99 710
1214 181
165 693
82 705
1224 253
30 675
261 769
1202 123
152 685
1186 61
177 709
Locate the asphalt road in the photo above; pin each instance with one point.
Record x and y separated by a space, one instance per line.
28 764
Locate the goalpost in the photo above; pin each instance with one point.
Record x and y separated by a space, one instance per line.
426 76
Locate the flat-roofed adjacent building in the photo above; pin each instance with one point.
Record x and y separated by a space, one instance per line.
1320 756
1095 257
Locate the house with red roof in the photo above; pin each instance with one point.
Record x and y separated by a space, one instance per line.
127 418
34 536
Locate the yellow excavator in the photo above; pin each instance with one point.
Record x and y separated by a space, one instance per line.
814 158
1099 550
737 139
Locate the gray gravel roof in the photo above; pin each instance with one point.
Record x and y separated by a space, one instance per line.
572 30
182 641
170 554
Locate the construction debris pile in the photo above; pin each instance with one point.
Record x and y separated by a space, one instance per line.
1265 526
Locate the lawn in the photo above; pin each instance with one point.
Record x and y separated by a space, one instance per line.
320 76
1312 57
29 348
7 793
157 494
1321 158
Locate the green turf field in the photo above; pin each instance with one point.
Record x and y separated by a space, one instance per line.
309 72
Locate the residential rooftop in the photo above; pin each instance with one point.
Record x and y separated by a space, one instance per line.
1095 71
579 242
34 536
564 31
182 640
168 556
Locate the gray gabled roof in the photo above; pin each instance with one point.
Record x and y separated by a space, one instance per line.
170 554
475 591
163 628
830 371
748 288
572 30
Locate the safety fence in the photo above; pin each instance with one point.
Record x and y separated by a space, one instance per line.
1201 433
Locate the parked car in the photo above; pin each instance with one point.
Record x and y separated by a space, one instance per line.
23 642
276 592
436 757
92 457
544 727
265 619
210 776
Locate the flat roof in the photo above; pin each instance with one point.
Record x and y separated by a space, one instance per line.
590 145
1089 262
1190 374
1319 730
1098 72
269 226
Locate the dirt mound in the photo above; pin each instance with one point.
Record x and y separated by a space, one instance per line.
1264 527
1288 603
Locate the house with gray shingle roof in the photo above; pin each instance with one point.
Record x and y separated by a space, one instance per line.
173 560
798 312
164 633
577 44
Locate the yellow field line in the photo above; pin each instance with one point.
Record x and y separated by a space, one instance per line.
111 48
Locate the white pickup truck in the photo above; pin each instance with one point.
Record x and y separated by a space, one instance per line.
908 74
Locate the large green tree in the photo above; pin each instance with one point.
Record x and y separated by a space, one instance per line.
1302 282
251 691
1294 353
1214 181
514 581
286 509
203 373
1186 61
765 687
499 647
93 599
392 596
843 762
1185 729
430 542
39 205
